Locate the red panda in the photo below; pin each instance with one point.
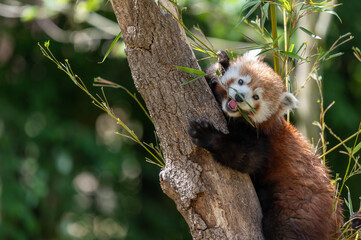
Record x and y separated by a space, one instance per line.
293 186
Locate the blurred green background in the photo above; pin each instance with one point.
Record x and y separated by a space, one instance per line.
64 174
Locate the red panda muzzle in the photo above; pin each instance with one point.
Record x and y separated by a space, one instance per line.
232 105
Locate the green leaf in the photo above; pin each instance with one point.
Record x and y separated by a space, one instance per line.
292 47
333 13
190 80
334 55
299 49
349 201
248 4
191 70
203 51
268 50
265 13
111 46
255 5
348 150
245 116
47 44
293 55
286 5
310 33
356 149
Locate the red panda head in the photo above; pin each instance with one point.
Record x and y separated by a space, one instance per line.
251 85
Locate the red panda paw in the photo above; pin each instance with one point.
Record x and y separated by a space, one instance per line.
202 133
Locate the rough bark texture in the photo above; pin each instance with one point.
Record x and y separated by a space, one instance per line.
216 202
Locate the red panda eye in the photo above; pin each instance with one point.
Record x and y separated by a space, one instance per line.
255 97
240 81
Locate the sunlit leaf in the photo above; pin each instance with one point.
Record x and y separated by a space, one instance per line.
191 70
111 46
310 33
286 5
294 56
291 47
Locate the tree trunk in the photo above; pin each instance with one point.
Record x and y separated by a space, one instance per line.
216 202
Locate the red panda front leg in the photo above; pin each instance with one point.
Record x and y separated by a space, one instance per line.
240 152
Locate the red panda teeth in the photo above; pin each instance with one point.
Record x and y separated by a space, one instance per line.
232 105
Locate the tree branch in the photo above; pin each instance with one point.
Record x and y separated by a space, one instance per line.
216 202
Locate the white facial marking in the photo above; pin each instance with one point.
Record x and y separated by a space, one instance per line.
263 113
235 89
232 72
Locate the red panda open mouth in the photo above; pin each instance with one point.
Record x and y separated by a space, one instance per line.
232 105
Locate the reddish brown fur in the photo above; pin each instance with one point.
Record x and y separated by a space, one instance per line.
221 90
303 191
294 187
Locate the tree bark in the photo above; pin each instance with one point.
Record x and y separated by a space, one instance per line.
217 202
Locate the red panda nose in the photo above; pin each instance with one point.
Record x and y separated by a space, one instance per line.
239 97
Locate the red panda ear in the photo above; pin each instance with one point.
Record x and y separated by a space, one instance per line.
288 102
253 55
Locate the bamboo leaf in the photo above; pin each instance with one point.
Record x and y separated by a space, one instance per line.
265 13
286 5
255 5
245 116
294 56
348 202
310 33
334 55
356 149
191 70
299 49
111 47
292 47
203 35
190 80
268 50
333 13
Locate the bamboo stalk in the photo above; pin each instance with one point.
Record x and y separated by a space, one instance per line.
274 36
